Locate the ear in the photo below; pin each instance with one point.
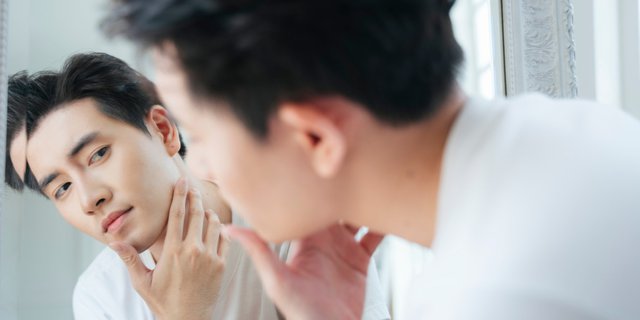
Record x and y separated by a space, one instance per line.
161 124
318 133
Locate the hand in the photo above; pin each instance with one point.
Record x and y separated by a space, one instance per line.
325 276
186 280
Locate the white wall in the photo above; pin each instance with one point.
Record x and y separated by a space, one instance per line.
608 52
41 255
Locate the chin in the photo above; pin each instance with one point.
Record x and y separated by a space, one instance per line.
141 244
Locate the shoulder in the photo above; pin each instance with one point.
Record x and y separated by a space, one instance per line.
535 138
92 292
538 196
105 268
104 290
537 119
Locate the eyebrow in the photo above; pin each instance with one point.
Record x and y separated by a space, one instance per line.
81 144
45 182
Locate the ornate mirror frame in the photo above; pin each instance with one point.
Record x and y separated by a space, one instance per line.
539 49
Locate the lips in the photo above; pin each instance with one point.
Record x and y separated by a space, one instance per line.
113 218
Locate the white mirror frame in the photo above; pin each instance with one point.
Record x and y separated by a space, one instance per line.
539 50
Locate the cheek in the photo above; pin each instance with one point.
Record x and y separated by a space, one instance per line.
221 158
145 177
197 162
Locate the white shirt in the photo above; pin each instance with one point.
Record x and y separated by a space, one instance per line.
539 215
104 290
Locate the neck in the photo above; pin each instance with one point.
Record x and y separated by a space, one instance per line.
398 186
211 199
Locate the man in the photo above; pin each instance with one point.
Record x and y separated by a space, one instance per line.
104 150
348 110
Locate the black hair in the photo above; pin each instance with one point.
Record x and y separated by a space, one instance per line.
18 86
397 58
120 92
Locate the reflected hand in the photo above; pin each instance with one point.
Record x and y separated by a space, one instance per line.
186 280
325 277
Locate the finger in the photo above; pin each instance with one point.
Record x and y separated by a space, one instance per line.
270 269
352 229
211 238
370 241
138 272
357 232
177 212
223 244
196 217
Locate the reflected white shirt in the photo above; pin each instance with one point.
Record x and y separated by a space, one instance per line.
104 290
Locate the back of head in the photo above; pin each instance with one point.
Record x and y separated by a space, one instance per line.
397 58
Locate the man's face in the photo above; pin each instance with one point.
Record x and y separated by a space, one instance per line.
107 178
269 182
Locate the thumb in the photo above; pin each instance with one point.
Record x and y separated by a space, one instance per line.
270 269
370 241
137 270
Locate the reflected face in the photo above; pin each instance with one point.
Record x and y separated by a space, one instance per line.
107 178
269 183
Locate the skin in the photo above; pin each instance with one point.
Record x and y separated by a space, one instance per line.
324 161
113 172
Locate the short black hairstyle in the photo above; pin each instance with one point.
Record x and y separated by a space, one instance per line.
397 58
18 87
120 92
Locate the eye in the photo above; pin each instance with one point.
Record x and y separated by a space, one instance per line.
62 190
98 155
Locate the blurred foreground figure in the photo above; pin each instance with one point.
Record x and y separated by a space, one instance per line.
307 113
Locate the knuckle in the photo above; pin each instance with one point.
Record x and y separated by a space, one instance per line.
195 194
180 191
219 265
179 212
129 259
172 248
195 251
196 210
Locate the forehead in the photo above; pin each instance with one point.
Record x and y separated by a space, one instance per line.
59 130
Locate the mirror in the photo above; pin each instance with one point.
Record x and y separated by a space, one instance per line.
41 256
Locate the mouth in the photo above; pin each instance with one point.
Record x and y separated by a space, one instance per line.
114 220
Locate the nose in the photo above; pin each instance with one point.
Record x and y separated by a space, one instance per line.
92 196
